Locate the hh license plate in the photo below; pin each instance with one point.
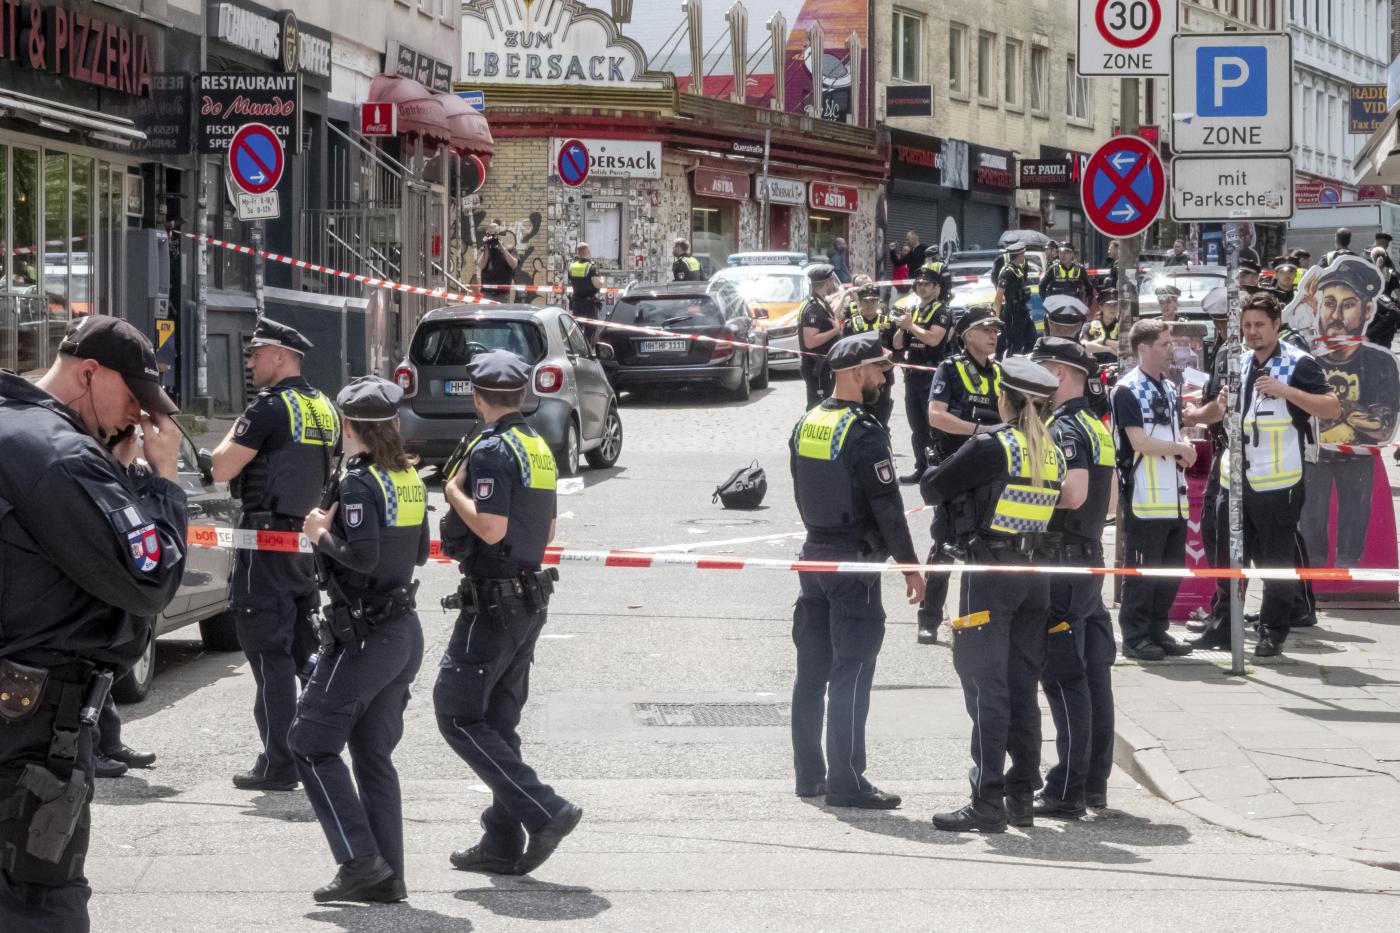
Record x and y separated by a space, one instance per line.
457 387
663 346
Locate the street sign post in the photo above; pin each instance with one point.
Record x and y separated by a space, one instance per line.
1232 92
1125 38
255 159
573 163
1233 188
1123 186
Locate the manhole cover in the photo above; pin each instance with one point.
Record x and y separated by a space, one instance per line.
713 714
725 522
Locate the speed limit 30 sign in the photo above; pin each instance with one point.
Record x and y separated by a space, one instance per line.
1126 38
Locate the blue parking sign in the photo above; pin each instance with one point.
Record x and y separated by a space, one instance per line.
1232 81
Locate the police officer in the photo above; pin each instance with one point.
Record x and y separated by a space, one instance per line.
924 325
1013 305
586 284
1342 248
1001 490
685 268
278 456
370 536
1105 330
866 315
1151 455
1247 277
962 403
1079 648
1065 276
847 494
92 542
817 330
1065 316
1168 302
501 490
1287 275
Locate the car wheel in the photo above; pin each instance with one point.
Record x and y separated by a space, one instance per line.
219 633
744 389
136 683
607 453
761 380
568 459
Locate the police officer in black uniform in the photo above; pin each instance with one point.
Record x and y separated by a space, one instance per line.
848 496
1065 316
924 327
369 536
1065 276
866 315
1342 248
586 289
818 329
1013 305
1079 648
501 490
278 457
1001 490
92 542
685 268
962 404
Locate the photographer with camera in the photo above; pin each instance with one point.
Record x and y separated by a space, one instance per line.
496 263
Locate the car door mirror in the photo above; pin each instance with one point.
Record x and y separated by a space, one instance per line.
205 459
605 351
760 314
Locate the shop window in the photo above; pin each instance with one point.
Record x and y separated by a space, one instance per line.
602 231
822 233
986 67
1011 66
57 252
81 253
906 51
711 235
25 315
1040 74
957 59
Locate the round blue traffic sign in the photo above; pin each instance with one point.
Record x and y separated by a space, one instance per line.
255 158
1123 186
573 162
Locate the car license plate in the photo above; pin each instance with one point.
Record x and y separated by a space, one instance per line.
663 346
457 387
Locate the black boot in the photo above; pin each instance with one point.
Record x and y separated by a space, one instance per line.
1046 805
928 634
1020 810
976 817
106 767
356 880
543 843
480 859
132 758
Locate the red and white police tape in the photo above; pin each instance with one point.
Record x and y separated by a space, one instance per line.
290 542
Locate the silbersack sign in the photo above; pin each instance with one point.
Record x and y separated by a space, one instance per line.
615 158
781 190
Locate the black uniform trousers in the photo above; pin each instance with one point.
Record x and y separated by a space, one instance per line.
917 385
273 597
1018 336
935 583
483 683
357 697
1078 683
819 378
1270 540
838 626
998 652
1147 601
109 728
1215 536
1351 476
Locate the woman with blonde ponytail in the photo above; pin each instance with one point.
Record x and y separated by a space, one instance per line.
1000 490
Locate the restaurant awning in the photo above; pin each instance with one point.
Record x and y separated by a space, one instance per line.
421 112
66 118
470 133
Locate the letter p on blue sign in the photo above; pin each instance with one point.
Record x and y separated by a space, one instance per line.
1232 81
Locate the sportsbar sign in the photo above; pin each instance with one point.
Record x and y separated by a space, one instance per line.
76 45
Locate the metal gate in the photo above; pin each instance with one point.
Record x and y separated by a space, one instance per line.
921 216
983 225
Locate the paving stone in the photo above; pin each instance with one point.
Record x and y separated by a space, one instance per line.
1306 764
1336 790
1264 806
1224 783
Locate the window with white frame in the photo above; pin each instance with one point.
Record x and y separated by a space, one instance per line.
957 59
906 47
986 66
1076 92
1011 71
1040 79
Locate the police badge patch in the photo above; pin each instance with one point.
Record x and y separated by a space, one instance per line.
884 472
240 427
144 543
354 514
484 489
1067 448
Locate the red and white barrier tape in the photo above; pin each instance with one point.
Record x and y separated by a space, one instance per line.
294 543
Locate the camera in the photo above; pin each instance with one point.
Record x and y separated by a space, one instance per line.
492 242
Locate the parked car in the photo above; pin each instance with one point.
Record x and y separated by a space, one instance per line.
1193 281
203 594
969 292
777 284
569 403
714 309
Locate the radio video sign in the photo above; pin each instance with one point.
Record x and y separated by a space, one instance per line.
1368 108
226 101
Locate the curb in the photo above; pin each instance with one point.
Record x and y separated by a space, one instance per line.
1145 759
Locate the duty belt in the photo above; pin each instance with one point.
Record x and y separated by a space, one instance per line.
987 549
271 521
530 590
1069 553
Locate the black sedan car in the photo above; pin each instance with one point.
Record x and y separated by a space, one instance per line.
714 309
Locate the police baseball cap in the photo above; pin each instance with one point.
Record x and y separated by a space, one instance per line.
1249 265
270 333
1066 351
1065 309
499 369
1216 302
1108 296
122 348
1027 378
858 350
820 272
1167 291
1355 273
370 398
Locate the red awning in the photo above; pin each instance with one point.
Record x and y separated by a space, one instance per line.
421 112
470 133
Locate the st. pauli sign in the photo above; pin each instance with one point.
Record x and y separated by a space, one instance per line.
78 45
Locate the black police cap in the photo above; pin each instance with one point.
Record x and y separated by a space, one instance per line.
122 348
499 369
1066 351
270 333
857 350
370 398
1021 375
1249 265
1382 235
1065 309
978 317
928 275
820 272
1108 295
867 292
1355 273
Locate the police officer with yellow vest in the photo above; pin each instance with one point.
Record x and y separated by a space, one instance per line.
1079 648
1001 490
1065 276
1065 316
686 267
586 288
924 326
962 403
370 534
1013 305
278 457
848 496
865 315
1342 248
501 487
1282 388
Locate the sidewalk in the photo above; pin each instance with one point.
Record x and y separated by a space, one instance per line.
1303 749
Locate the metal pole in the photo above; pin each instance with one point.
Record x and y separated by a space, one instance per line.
259 268
763 190
201 282
1236 452
1128 251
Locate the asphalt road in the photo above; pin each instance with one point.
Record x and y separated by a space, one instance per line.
687 827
